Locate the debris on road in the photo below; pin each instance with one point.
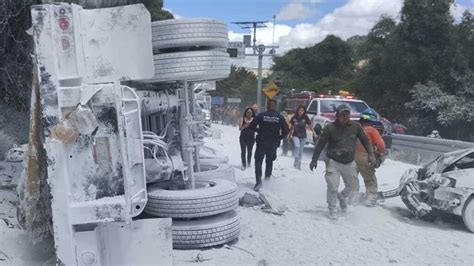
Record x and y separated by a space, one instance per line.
235 247
3 256
16 153
252 200
8 223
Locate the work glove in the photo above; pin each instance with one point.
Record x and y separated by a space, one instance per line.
313 164
379 161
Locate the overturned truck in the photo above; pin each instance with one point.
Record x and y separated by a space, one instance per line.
116 164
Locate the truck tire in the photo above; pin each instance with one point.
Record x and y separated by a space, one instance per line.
206 232
211 169
468 214
177 33
191 66
210 197
206 152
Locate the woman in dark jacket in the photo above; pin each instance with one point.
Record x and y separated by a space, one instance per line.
298 125
247 136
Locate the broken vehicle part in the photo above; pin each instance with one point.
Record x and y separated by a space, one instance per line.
445 184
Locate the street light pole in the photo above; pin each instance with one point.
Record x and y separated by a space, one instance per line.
258 51
259 76
261 49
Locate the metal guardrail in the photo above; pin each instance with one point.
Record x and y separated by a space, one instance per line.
428 144
423 149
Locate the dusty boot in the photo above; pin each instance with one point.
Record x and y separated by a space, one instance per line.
354 199
333 214
258 184
342 202
371 201
298 166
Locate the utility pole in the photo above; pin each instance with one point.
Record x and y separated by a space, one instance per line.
258 51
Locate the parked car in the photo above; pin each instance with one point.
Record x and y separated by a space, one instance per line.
446 184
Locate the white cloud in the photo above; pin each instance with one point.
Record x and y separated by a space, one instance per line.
294 10
177 16
356 17
264 35
456 11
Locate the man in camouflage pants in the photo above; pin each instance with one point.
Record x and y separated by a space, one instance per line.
341 136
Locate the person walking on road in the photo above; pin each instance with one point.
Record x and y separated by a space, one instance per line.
298 125
271 127
366 169
247 137
340 136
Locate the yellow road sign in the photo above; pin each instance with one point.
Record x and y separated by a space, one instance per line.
270 90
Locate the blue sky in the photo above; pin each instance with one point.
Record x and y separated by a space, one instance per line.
251 10
248 10
299 23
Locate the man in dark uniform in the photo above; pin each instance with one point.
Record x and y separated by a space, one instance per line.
271 127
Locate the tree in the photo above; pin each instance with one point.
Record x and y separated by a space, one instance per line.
241 83
465 39
15 49
304 68
378 37
437 109
156 10
422 48
331 57
16 46
358 47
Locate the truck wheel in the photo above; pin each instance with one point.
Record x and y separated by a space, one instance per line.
468 214
206 232
191 66
176 33
211 170
210 197
206 153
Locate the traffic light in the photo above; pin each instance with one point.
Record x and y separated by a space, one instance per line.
233 52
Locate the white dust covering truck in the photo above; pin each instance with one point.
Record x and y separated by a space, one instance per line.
116 169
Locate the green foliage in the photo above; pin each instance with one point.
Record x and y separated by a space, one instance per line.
464 37
436 108
358 47
15 49
326 63
156 10
421 63
378 37
424 63
16 46
240 84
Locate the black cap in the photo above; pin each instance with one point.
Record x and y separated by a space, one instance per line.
342 108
